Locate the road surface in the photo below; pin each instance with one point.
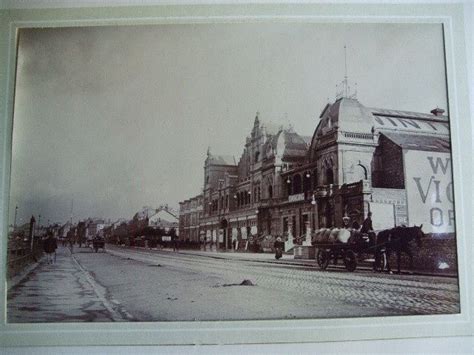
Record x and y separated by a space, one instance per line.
140 285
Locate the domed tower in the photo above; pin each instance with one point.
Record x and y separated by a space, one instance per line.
343 143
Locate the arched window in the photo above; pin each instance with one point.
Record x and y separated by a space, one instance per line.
329 176
360 172
297 184
270 191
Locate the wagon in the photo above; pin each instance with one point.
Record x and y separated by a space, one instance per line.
98 243
348 252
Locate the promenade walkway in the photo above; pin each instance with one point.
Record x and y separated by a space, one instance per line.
59 291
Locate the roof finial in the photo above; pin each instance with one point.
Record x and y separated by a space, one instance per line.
345 90
345 71
208 150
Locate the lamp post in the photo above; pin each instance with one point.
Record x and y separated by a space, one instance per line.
14 220
315 213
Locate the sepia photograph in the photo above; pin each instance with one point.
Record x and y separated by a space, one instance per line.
238 171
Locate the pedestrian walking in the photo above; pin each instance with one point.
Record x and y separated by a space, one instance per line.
175 243
234 244
279 246
50 245
71 245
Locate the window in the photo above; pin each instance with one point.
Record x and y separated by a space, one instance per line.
315 178
307 182
257 156
297 184
329 176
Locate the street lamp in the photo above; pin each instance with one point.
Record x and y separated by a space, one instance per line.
14 220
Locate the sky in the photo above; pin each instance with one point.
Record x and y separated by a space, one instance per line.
111 119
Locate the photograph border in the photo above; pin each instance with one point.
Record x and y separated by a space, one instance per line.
262 331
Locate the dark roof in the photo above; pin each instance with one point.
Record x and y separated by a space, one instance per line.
406 114
419 142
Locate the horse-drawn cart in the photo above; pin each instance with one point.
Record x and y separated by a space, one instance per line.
343 244
352 246
98 243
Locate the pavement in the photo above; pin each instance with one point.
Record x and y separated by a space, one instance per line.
59 291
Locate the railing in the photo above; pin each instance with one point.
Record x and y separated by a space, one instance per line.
354 135
20 255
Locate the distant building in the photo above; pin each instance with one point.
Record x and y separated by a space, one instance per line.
190 215
163 218
395 164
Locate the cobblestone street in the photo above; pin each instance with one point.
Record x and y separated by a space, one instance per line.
125 284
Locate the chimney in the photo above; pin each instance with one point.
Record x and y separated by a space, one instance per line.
437 111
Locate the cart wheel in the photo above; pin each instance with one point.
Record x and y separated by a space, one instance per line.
323 259
350 260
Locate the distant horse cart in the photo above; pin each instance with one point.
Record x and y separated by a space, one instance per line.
351 246
98 243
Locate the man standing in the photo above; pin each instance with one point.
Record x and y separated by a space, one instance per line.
367 224
50 245
175 240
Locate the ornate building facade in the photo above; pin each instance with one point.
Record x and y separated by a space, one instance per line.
395 164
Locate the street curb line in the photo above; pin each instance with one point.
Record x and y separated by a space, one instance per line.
117 315
286 263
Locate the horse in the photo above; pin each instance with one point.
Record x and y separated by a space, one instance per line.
396 240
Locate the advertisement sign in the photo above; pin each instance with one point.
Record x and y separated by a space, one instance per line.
429 185
383 215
